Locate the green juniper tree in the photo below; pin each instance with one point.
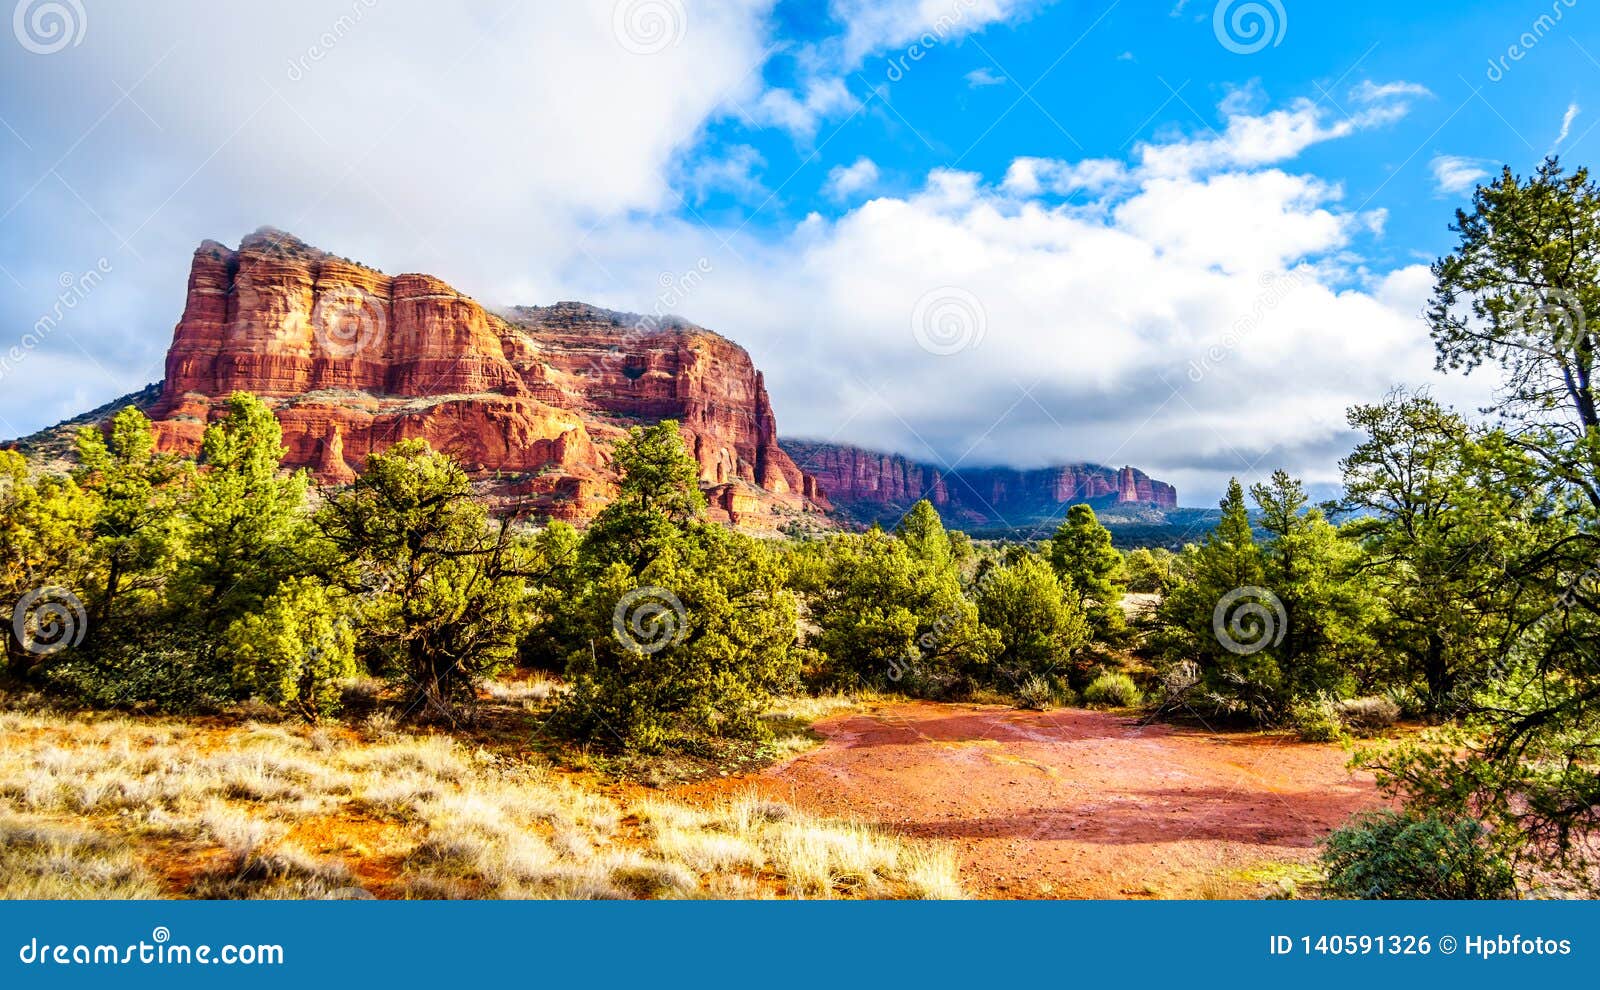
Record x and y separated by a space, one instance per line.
1087 563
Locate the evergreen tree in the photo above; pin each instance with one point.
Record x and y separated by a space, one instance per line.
137 492
1329 605
923 533
1436 535
1087 563
245 528
442 599
44 525
676 628
658 494
1038 622
294 650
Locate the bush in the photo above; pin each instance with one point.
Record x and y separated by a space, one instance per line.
691 648
1112 690
1028 609
1368 714
1407 700
296 652
1317 720
1038 693
1390 855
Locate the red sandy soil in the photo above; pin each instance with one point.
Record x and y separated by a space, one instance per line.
1074 803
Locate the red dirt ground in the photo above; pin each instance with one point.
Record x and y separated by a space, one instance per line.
1074 803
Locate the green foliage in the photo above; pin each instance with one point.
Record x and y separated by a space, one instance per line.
889 614
1084 559
1225 560
924 536
1316 719
442 604
659 493
1149 570
1391 855
1112 690
138 493
1433 528
1039 692
1315 608
1522 289
674 628
1039 625
1329 602
692 646
243 530
43 523
294 651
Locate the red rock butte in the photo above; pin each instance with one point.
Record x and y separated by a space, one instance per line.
531 400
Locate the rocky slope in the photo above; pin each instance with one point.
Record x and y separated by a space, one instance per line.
353 360
871 486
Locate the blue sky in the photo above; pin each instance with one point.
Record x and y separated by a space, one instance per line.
1181 235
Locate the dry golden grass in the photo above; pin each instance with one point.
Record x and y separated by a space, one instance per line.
109 806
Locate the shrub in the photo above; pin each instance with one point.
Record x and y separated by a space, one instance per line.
295 652
1027 607
1112 690
1038 693
1317 720
1407 700
692 647
1389 855
1368 714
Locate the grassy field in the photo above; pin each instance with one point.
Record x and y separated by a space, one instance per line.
111 806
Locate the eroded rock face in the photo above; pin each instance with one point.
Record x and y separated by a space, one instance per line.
873 486
531 400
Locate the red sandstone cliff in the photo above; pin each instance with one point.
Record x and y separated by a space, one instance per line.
872 485
353 360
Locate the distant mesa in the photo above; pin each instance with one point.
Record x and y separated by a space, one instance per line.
530 400
871 486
